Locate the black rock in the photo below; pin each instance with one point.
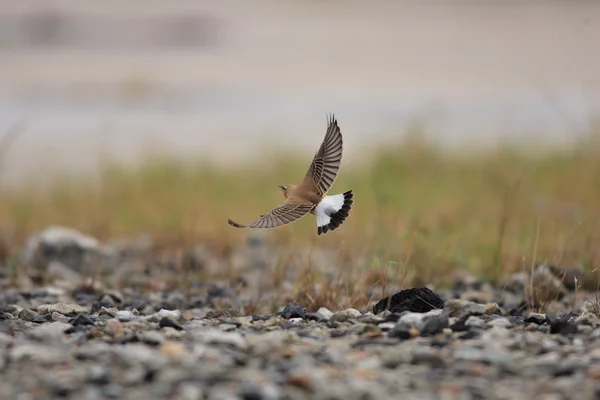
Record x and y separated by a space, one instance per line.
251 392
393 317
81 320
261 317
293 310
415 300
563 328
168 322
562 325
5 316
400 332
470 334
41 319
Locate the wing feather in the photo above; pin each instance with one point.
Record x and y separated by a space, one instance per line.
283 214
326 162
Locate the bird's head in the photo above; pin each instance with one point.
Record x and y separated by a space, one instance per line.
285 189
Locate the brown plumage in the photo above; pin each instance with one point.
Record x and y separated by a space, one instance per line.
309 196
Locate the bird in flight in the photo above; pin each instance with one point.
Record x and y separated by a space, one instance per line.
309 196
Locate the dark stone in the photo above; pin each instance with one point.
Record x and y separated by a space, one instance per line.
563 328
517 320
81 320
230 322
261 317
336 333
289 325
7 308
562 325
333 324
535 319
435 325
293 310
251 392
470 334
415 300
400 332
5 316
432 360
393 317
460 324
168 322
440 342
42 319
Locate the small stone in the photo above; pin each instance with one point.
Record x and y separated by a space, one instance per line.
325 313
301 380
151 337
69 310
27 315
396 357
434 325
81 320
402 332
227 327
475 322
5 316
52 332
173 349
386 326
168 322
315 316
535 318
459 308
125 316
227 338
346 315
39 353
114 327
562 326
112 312
499 322
293 310
371 319
175 315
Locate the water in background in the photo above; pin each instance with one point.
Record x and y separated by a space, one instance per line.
232 79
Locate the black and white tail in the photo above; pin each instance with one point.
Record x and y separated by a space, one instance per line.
332 211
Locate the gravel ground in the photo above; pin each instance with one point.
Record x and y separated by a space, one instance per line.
61 338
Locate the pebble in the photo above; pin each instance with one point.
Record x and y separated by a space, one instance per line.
215 340
61 308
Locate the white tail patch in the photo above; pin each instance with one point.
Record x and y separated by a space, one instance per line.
329 208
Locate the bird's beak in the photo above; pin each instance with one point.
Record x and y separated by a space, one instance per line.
282 187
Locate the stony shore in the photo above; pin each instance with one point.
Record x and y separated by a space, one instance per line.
60 339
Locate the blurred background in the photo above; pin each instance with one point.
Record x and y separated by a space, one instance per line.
470 127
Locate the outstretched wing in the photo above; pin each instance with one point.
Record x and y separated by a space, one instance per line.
326 163
281 215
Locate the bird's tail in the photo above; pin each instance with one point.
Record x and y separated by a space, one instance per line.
333 211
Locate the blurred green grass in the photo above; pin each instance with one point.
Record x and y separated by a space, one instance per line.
431 211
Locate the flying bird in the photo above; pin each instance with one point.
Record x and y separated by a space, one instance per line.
309 196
